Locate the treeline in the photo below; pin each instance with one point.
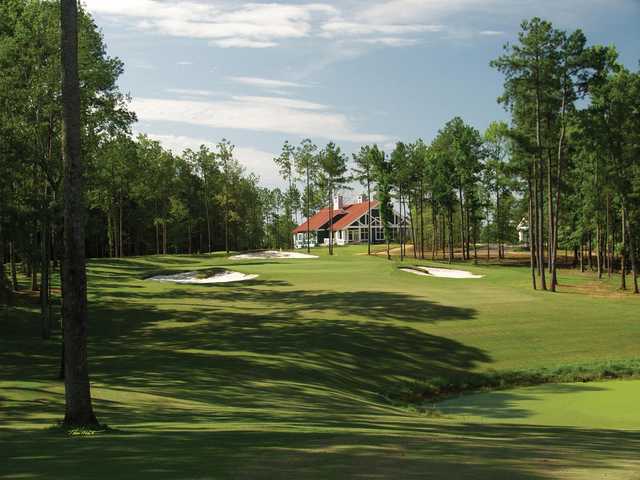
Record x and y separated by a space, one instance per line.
140 198
568 163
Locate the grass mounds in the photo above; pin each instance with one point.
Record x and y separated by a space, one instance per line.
438 388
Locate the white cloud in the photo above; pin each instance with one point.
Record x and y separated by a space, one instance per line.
251 25
491 33
254 160
358 28
391 41
266 83
184 63
264 114
191 93
417 11
241 43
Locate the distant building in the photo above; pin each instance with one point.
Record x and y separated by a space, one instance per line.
523 232
350 224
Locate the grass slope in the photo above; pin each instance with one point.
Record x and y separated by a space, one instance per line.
286 376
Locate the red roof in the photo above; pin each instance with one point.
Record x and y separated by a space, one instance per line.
354 212
348 214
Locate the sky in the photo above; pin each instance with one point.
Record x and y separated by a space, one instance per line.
352 71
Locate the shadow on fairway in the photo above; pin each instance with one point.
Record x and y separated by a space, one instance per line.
440 452
263 381
503 405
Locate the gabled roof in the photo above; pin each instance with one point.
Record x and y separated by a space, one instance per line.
354 212
317 221
342 218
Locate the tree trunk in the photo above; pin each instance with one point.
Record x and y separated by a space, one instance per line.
451 257
12 261
120 236
632 257
421 219
330 221
539 205
78 407
368 215
609 236
434 228
532 243
309 210
401 225
157 238
623 252
590 247
462 238
45 310
164 237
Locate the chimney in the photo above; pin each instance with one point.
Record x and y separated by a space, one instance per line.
338 202
362 198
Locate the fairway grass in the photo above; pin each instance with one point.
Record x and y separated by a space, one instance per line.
287 375
602 405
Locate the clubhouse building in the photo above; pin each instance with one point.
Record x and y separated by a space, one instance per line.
350 224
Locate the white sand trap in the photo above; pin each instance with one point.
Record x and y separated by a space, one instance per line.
441 272
193 278
267 254
415 272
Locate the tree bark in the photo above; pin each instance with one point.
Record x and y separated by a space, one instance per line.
632 257
623 252
532 243
45 310
12 261
78 406
368 214
539 206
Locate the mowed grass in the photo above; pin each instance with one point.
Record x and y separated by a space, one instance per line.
605 405
287 376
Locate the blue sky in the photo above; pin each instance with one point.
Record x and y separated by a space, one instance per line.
353 71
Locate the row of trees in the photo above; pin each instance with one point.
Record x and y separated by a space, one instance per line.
569 163
137 198
576 144
453 192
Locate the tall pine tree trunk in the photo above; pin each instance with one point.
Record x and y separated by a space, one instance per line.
78 407
368 215
623 252
532 230
12 261
45 310
330 221
632 257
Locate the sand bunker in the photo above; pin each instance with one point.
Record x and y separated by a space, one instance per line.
267 254
440 272
222 276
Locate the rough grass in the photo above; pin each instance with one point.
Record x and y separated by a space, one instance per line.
287 376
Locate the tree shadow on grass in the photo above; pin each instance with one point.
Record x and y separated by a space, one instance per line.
272 383
506 404
404 450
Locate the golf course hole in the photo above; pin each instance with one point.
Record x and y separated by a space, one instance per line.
271 254
440 272
216 275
